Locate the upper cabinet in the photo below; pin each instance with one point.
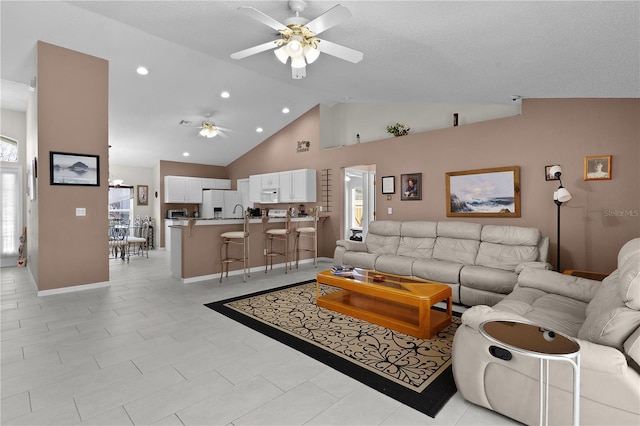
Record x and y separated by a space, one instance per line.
211 183
293 186
182 189
298 186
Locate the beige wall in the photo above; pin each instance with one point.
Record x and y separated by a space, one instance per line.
549 131
72 116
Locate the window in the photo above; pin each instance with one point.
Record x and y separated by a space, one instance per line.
8 149
11 210
121 203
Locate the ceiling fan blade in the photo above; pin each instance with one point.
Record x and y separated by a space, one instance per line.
255 49
340 51
330 18
261 17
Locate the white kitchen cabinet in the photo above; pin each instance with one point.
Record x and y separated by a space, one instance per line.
255 188
298 186
215 183
270 180
182 189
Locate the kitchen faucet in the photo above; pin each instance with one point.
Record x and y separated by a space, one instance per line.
236 206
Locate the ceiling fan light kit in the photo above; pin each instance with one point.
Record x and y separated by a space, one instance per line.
298 40
209 130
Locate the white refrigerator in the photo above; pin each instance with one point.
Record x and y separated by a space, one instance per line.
212 203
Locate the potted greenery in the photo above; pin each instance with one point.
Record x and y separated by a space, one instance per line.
398 129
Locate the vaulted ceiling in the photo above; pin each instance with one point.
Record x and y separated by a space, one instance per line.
422 52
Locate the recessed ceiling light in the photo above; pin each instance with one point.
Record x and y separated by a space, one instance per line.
285 110
225 94
185 154
142 70
259 130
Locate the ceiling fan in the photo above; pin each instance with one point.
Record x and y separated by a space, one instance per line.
298 37
208 128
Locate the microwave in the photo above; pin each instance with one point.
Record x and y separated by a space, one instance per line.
269 195
176 213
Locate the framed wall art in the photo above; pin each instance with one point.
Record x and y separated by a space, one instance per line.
388 184
491 192
74 169
547 173
597 167
411 186
143 195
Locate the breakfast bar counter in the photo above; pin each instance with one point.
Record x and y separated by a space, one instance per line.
195 244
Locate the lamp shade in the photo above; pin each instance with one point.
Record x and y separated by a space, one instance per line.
555 169
562 195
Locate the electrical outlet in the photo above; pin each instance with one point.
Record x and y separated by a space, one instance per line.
265 252
81 211
390 210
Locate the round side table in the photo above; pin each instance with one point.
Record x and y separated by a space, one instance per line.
537 342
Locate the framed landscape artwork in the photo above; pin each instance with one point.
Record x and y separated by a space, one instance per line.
484 193
74 169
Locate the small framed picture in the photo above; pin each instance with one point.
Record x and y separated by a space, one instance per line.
411 186
388 184
547 173
597 167
143 195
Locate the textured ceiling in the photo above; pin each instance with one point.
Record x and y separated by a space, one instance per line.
427 52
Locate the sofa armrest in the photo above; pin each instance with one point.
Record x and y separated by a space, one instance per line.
598 276
537 265
601 358
352 245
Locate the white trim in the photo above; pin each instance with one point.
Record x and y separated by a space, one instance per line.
73 288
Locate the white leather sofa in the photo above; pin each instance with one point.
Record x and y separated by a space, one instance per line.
480 262
604 319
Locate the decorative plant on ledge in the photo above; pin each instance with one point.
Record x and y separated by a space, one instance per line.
398 129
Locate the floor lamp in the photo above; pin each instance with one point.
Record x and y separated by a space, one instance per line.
560 195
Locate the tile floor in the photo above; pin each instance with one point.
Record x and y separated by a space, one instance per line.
146 351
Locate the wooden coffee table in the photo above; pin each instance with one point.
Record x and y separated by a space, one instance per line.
400 303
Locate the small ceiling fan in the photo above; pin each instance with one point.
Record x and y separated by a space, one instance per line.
298 37
208 128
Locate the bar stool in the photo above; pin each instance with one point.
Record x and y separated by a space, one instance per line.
281 234
308 232
238 238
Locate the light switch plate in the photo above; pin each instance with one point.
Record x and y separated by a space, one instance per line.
81 211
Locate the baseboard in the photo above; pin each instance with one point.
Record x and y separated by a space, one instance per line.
73 288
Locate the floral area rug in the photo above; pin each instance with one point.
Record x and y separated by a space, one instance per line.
416 372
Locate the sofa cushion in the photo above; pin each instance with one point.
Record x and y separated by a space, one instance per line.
383 237
457 242
482 278
510 235
609 321
417 239
441 271
393 264
629 285
502 256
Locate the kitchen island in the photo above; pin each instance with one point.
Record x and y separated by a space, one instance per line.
195 245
